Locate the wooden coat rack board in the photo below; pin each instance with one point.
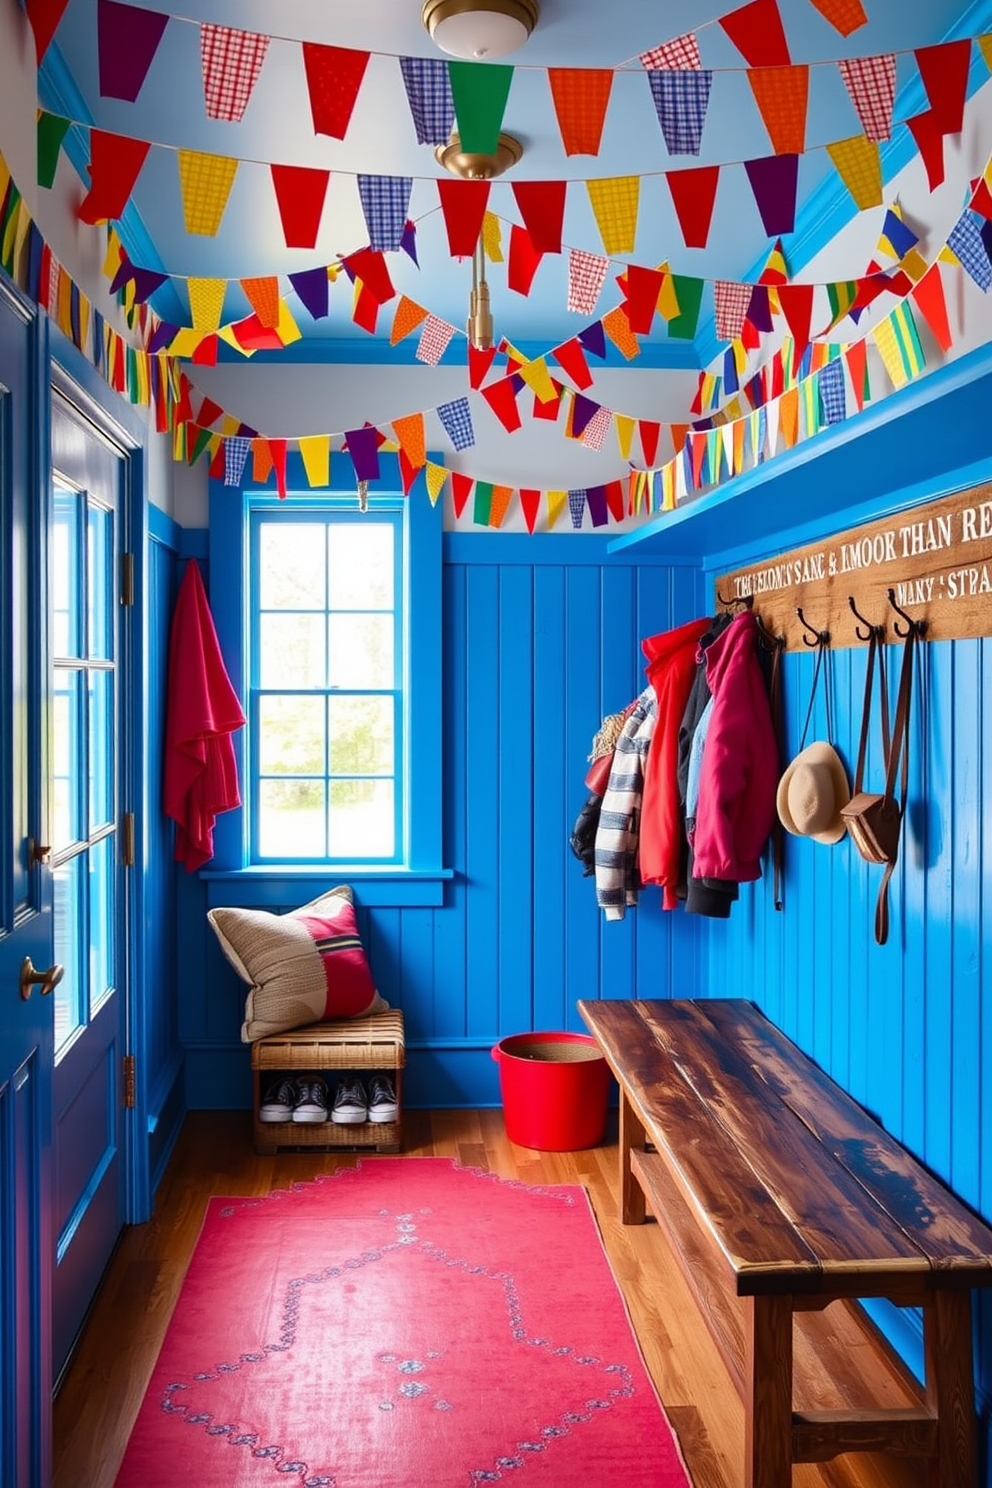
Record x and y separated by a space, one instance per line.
935 559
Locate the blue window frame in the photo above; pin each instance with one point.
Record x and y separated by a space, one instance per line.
339 676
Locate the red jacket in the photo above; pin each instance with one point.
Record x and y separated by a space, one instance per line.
740 769
670 670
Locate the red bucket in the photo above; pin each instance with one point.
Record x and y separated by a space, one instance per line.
554 1088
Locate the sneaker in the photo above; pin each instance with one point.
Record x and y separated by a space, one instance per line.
311 1101
350 1107
382 1099
278 1102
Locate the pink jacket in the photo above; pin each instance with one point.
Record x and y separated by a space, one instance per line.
740 769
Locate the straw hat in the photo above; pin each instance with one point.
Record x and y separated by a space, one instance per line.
811 794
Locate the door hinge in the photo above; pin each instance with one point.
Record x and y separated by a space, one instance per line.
127 839
129 1081
127 578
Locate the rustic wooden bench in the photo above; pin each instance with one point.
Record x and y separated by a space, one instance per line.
779 1195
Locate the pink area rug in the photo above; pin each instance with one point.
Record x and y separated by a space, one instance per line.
406 1323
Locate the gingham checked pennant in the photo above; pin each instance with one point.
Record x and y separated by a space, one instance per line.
586 276
679 55
871 83
457 420
434 339
731 301
428 92
231 61
235 454
680 101
385 202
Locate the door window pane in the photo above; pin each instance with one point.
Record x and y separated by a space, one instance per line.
68 994
100 861
100 583
101 769
68 780
66 560
360 564
291 650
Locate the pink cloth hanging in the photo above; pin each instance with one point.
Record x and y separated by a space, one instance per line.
201 713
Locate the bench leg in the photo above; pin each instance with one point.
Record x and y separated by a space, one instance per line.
632 1207
950 1388
768 1397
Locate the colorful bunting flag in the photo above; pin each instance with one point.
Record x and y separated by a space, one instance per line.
409 432
833 404
774 180
690 294
624 427
571 359
499 504
641 289
944 71
596 501
859 166
436 477
530 501
856 357
502 399
842 296
897 238
44 16
757 33
311 287
580 97
115 163
434 339
363 447
556 505
407 318
731 301
577 507
797 307
542 206
483 503
235 454
537 377
492 237
315 452
127 40
456 418
871 83
463 204
334 76
681 100
617 327
586 276
300 192
679 55
428 92
928 295
51 132
782 95
524 261
230 61
461 489
614 203
385 203
926 131
844 15
899 345
263 297
596 430
479 361
480 91
965 241
693 195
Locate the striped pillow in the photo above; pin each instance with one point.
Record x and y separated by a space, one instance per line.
307 966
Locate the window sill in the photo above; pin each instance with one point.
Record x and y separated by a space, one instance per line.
266 886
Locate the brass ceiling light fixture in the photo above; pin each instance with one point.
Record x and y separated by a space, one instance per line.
474 166
474 29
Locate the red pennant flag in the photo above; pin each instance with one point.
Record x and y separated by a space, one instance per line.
252 334
642 289
44 16
693 194
857 366
300 192
696 406
981 199
115 162
929 139
542 206
929 296
218 463
757 33
205 354
614 500
750 335
524 260
461 490
209 413
797 307
580 97
550 410
463 204
366 310
503 401
277 449
571 358
650 433
334 76
869 289
697 450
408 471
531 503
944 70
479 363
184 403
370 266
782 95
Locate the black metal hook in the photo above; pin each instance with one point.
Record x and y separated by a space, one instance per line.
878 631
745 601
820 637
770 641
920 626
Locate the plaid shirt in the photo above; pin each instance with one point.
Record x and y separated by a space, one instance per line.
618 834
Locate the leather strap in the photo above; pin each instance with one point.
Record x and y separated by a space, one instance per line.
897 753
875 654
778 831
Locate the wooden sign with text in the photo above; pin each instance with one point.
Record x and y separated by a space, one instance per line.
936 558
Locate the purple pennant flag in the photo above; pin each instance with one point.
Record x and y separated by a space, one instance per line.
385 202
408 242
730 380
774 181
146 282
311 288
759 310
127 40
582 413
162 336
680 101
576 507
363 447
457 420
428 92
245 431
125 272
593 339
235 454
598 509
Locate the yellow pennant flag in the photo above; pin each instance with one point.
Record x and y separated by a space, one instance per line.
537 377
740 356
884 337
226 333
668 300
625 433
229 425
617 327
915 265
185 342
668 487
179 442
707 390
409 430
407 318
205 182
499 504
436 477
206 302
948 256
859 166
733 409
614 204
492 237
985 47
315 451
263 297
112 258
287 329
556 504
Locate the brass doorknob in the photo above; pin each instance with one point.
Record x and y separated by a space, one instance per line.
47 981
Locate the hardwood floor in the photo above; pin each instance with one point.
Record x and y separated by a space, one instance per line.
106 1381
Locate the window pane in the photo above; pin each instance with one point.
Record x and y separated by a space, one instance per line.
291 571
100 596
291 651
361 566
68 995
100 859
65 573
101 749
361 648
69 781
291 819
361 821
291 735
361 732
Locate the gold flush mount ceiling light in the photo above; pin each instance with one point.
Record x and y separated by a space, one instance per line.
476 29
472 165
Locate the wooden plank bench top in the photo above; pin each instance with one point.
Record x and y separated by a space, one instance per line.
772 1181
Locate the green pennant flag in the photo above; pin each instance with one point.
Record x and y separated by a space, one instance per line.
483 503
689 293
203 438
479 91
841 296
51 132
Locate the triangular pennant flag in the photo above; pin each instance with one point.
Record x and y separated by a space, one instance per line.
556 505
463 204
595 432
586 275
461 489
235 454
407 318
617 327
479 361
230 61
580 96
775 271
542 206
985 47
759 314
209 413
434 339
436 477
690 295
797 307
650 433
548 412
668 301
592 339
757 33
833 403
502 399
929 296
966 242
385 203
681 54
730 300
844 15
363 447
499 504
369 266
428 92
524 261
456 418
492 237
614 500
408 471
898 343
681 100
311 287
537 377
261 461
582 412
774 180
841 296
577 506
205 182
944 70
897 237
127 40
530 501
115 163
981 196
334 76
856 357
641 289
859 166
409 431
929 138
624 426
571 359
596 502
871 83
614 204
483 503
263 297
693 195
782 95
315 452
480 91
278 448
52 131
44 16
365 309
